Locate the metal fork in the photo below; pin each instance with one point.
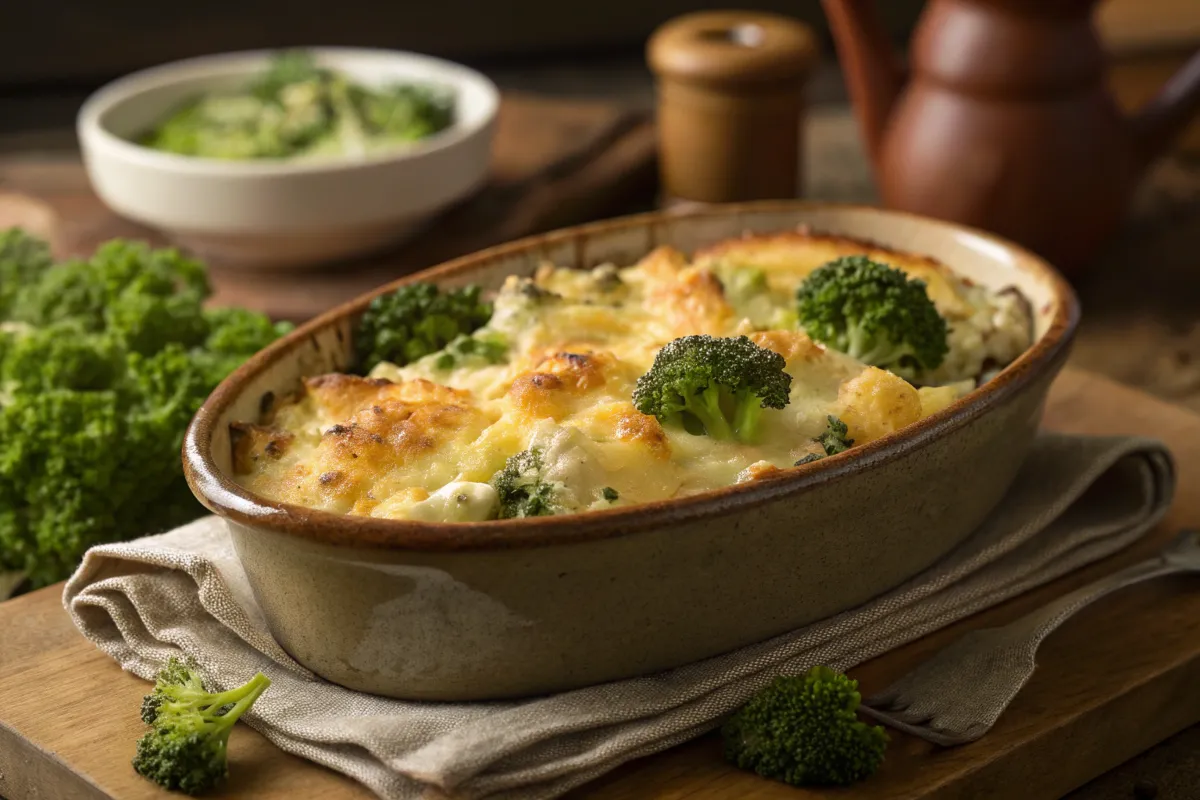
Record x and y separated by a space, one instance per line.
957 696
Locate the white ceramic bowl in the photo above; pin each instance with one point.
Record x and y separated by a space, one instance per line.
279 214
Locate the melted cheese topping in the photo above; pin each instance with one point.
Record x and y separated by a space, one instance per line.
423 442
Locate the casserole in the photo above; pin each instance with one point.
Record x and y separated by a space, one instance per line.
518 607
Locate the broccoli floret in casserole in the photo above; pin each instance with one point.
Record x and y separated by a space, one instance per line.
803 730
833 441
874 313
717 386
743 284
523 488
416 320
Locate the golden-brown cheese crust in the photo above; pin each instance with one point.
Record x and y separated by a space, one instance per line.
384 427
556 387
792 345
693 302
253 443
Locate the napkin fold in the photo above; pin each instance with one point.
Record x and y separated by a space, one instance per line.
1076 500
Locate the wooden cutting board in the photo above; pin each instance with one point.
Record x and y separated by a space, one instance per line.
554 163
1117 679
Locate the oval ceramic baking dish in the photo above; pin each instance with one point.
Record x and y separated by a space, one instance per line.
467 611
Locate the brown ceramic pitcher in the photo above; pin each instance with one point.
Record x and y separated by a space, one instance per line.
1003 120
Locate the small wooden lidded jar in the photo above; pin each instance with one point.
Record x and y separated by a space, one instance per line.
731 105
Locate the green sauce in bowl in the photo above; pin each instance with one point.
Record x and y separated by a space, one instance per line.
296 109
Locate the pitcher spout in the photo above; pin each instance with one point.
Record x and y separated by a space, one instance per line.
873 70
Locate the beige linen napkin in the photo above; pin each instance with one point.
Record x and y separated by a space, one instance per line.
1076 500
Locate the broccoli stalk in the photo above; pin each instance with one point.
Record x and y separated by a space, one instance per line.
185 749
873 313
416 320
719 385
523 489
803 730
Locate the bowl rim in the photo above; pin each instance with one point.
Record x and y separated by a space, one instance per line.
227 499
94 135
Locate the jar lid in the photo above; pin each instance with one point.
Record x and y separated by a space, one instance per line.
732 47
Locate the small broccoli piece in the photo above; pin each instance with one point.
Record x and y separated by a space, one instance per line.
874 313
530 290
610 494
477 349
803 730
607 278
185 748
834 439
719 386
523 488
744 283
415 320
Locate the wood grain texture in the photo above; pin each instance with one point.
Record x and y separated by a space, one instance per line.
1140 25
1122 676
555 163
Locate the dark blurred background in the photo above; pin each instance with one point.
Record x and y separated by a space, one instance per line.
77 42
53 52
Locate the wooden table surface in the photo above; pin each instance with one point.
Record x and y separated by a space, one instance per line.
1119 678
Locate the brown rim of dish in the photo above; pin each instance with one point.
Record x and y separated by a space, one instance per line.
226 498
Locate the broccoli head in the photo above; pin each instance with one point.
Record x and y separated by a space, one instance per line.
103 362
714 386
874 313
803 730
185 748
23 258
523 488
415 320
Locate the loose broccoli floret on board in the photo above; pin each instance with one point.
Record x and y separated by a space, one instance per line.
415 320
874 313
185 748
715 386
523 488
803 730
